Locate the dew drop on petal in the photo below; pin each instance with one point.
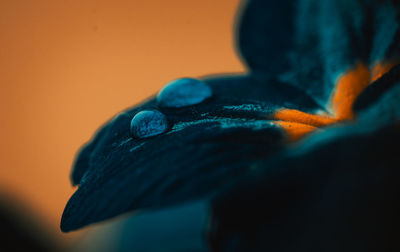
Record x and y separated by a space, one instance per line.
183 92
148 123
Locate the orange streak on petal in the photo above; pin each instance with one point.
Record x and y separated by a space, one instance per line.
292 115
296 130
348 87
380 69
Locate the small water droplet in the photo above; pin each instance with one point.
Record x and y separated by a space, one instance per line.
183 92
148 123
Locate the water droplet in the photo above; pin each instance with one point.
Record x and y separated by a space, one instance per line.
148 123
183 92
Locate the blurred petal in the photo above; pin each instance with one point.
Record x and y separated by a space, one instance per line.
334 37
266 35
338 190
332 198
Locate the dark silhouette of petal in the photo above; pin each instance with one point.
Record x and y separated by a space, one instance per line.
374 91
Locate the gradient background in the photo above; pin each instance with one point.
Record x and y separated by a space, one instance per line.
68 66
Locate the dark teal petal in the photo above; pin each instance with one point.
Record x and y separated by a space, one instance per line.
206 149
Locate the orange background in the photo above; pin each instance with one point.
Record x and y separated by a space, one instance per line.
68 66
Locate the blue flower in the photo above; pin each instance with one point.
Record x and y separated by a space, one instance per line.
316 118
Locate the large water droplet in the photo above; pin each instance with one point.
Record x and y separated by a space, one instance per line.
183 92
148 123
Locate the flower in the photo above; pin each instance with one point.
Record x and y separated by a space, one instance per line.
315 119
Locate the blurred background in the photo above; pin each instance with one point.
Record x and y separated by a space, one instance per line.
66 66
